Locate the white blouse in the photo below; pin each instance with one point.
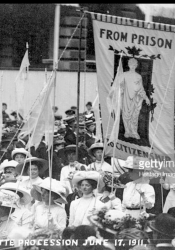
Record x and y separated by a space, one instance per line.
132 198
28 183
97 166
58 216
81 208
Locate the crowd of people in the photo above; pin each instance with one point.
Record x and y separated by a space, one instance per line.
89 196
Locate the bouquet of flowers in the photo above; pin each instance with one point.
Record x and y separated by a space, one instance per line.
116 221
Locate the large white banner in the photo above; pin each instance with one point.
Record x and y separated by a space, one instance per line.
146 85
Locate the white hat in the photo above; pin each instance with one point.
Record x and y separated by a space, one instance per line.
44 165
56 187
98 145
6 164
20 151
15 186
83 175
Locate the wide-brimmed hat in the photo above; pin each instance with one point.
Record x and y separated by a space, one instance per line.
20 151
83 175
56 186
70 112
135 162
8 164
43 165
98 145
163 224
15 186
71 147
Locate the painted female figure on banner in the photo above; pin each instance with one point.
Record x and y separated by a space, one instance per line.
133 94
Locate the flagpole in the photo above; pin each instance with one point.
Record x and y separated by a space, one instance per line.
55 67
78 83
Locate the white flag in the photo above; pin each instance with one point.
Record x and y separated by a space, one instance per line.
42 119
114 101
95 106
21 84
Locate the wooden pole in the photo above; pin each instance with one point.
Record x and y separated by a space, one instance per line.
78 85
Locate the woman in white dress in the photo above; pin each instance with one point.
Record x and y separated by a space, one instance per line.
81 208
11 195
138 194
51 216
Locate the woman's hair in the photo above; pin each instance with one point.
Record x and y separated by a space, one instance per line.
36 163
91 182
18 193
55 196
171 211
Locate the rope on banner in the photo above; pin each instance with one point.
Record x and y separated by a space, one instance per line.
131 22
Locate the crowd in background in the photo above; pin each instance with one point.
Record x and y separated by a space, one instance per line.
92 197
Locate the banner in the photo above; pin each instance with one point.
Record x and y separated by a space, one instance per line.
146 126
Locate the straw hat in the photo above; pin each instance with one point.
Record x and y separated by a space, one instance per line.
98 145
15 186
56 187
59 142
71 147
20 151
7 164
83 175
42 162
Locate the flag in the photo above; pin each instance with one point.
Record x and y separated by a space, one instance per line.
114 101
21 86
95 106
41 120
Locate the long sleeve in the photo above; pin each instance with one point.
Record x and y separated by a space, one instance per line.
61 220
72 213
149 196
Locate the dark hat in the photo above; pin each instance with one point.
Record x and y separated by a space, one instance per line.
14 113
7 137
164 224
89 123
58 117
70 112
69 119
89 104
73 107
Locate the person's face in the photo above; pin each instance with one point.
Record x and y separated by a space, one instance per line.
9 174
4 107
91 128
57 122
71 156
132 65
33 172
20 158
135 174
45 196
98 154
86 187
88 107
